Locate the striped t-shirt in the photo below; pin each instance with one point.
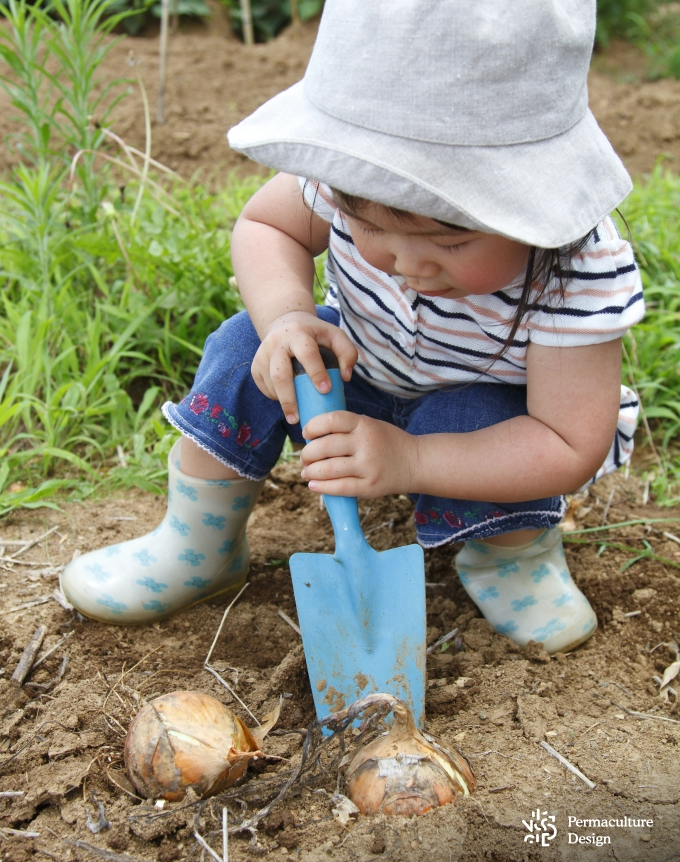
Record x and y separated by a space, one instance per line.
409 344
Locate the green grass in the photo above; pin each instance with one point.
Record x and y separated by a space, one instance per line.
653 346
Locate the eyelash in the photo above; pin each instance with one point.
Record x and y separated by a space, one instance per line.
452 249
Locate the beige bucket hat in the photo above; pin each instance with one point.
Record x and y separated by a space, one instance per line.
475 113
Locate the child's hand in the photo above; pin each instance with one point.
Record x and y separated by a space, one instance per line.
299 334
354 456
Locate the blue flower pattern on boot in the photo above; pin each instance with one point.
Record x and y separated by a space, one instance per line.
154 586
191 557
98 573
541 572
565 577
216 521
155 605
110 603
463 576
564 599
588 626
187 490
227 546
488 593
221 483
241 503
182 528
198 583
550 628
523 604
113 550
507 628
144 557
236 564
506 568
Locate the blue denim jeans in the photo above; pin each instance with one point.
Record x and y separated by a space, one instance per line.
227 415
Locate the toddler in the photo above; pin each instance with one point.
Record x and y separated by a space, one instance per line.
444 154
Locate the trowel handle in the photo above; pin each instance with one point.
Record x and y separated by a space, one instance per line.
343 511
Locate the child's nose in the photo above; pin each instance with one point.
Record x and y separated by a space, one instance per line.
409 263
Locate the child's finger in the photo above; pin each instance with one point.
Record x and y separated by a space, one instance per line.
281 376
337 422
306 351
345 351
330 446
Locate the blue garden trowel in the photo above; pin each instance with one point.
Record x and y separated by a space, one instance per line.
361 612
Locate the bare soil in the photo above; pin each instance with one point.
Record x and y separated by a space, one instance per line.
213 81
61 736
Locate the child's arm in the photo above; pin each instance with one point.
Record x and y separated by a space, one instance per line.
273 247
573 404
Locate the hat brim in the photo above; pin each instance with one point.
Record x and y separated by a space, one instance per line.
548 193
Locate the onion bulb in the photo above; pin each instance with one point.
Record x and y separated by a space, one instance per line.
188 739
404 771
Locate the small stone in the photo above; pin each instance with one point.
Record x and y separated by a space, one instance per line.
482 716
414 845
645 838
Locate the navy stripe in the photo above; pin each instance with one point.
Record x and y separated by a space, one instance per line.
629 404
469 352
347 237
596 276
374 297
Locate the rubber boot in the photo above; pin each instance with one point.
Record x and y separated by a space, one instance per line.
198 551
527 592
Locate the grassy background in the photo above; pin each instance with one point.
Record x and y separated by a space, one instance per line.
114 272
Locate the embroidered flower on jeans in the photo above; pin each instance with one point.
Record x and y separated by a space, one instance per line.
198 583
187 490
523 604
182 528
550 628
216 521
241 503
144 557
198 403
191 557
453 520
227 546
420 519
224 431
151 584
243 434
98 573
110 603
215 411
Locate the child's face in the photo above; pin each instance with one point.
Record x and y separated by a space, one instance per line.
436 260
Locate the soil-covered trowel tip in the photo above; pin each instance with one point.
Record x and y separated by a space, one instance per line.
189 739
403 771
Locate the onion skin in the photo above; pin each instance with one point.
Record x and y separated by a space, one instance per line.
405 772
186 739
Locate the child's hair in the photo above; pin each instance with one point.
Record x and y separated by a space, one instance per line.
543 265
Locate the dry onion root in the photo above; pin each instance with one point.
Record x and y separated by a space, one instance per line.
188 739
403 771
